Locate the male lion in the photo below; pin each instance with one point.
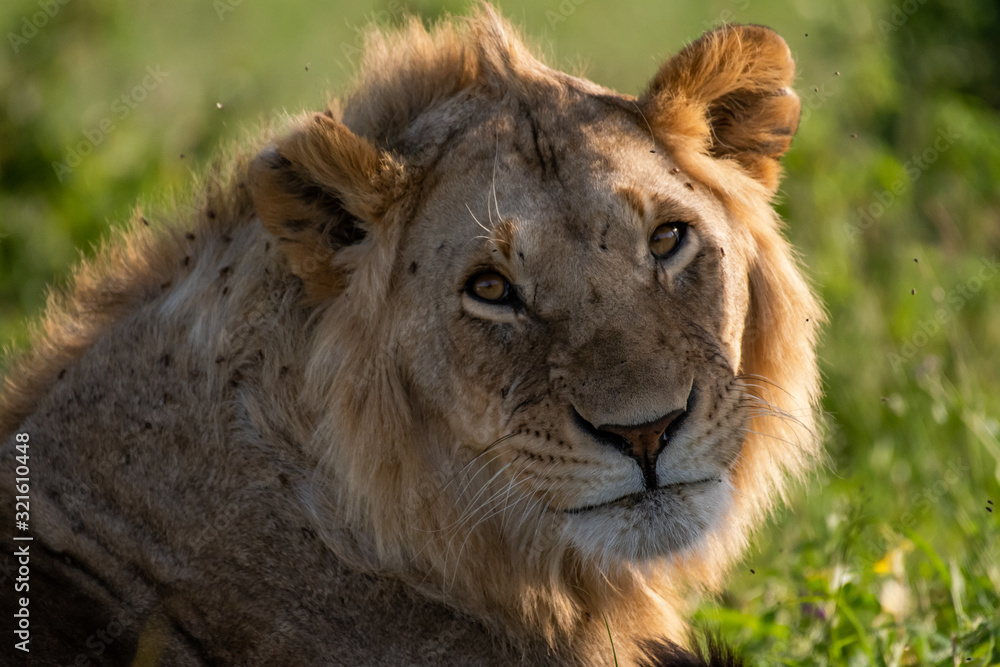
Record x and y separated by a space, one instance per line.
492 366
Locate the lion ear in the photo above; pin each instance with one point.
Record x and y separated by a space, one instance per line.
319 189
728 94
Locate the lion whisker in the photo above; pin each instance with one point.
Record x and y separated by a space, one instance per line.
493 184
524 514
493 444
769 410
782 415
538 523
472 529
496 495
484 227
471 508
768 435
506 501
765 380
472 477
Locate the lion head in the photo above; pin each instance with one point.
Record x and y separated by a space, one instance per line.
562 360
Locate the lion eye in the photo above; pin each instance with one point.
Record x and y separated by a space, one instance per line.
489 286
666 238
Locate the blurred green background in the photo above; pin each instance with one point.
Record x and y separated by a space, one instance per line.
890 555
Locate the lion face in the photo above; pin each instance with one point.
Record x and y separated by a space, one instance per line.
586 327
557 330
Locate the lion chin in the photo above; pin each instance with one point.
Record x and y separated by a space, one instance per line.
490 365
648 525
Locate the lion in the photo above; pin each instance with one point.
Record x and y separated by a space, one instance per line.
485 364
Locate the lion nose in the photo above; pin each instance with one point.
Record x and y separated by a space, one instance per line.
644 442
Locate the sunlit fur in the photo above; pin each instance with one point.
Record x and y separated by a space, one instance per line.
437 459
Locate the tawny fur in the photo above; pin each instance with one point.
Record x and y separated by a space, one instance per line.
274 428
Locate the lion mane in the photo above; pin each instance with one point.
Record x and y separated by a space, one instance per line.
485 364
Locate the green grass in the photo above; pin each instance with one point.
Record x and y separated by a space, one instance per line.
889 555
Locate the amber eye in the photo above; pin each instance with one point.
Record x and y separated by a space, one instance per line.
666 238
489 286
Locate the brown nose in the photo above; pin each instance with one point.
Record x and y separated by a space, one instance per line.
644 442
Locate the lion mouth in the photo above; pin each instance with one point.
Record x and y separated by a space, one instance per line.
648 497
